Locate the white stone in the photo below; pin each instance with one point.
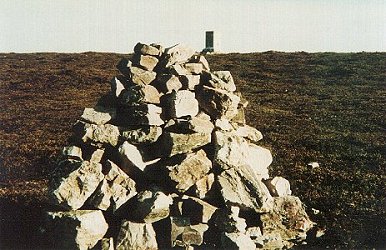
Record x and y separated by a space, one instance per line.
98 115
97 134
249 133
177 54
278 186
139 236
72 152
131 156
141 76
237 241
116 86
183 103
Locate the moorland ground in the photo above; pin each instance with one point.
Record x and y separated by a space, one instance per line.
322 107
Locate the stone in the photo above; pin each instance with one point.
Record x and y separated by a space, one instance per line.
218 103
115 190
77 229
197 210
188 170
193 68
237 241
97 155
72 152
196 124
219 80
259 159
97 134
167 83
107 244
150 206
98 115
278 186
313 165
178 70
142 135
139 94
145 49
239 118
249 133
241 187
189 81
146 62
174 143
228 220
203 186
144 114
131 156
74 183
200 59
117 86
134 235
288 219
183 234
181 103
177 54
141 76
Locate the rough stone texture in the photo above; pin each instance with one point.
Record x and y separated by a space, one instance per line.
228 220
115 189
168 83
150 206
197 210
249 133
107 244
237 241
200 59
189 81
131 156
117 86
141 76
189 170
177 54
139 94
203 186
97 134
193 68
74 183
142 135
72 152
174 143
98 115
183 234
240 186
79 229
219 80
145 49
181 103
97 155
136 236
146 62
278 186
197 124
145 114
218 103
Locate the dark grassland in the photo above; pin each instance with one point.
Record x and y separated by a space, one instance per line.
323 107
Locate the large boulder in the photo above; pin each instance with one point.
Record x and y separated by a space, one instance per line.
77 229
139 236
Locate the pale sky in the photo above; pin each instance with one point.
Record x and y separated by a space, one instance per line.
244 25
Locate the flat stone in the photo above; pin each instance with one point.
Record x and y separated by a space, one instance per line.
196 124
181 103
219 80
139 236
197 210
78 229
249 133
141 76
278 186
144 114
218 103
174 143
131 156
74 183
177 54
200 59
193 68
167 83
145 49
189 81
142 135
72 152
139 94
237 241
146 62
97 134
115 190
97 155
98 115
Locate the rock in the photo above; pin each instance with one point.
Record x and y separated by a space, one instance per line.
193 68
97 155
115 190
197 124
203 186
237 241
313 165
219 80
131 156
181 103
259 159
218 103
117 86
73 153
177 54
188 170
97 134
183 234
144 114
239 118
173 143
228 220
141 76
240 186
136 236
107 244
197 210
200 59
74 183
150 206
178 70
146 62
139 94
168 83
278 186
288 219
189 81
223 124
98 115
142 135
145 49
249 133
79 229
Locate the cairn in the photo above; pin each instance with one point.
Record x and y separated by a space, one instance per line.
166 159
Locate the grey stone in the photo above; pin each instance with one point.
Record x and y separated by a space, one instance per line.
98 115
237 241
131 156
74 183
167 83
139 236
139 94
142 135
115 190
218 103
174 143
141 76
144 49
78 229
146 62
278 186
144 114
189 81
177 54
181 103
219 80
97 134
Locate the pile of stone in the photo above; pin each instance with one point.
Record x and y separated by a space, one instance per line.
166 160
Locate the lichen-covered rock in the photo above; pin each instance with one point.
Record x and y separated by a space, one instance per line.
98 115
74 183
139 94
144 114
97 134
139 236
219 80
174 143
142 135
78 229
